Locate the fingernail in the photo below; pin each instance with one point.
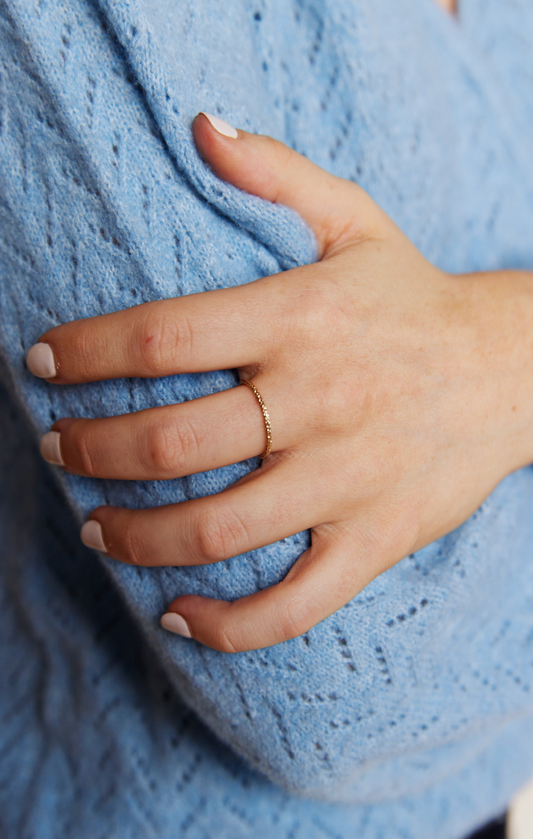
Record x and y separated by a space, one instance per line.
41 361
175 623
222 127
51 448
91 535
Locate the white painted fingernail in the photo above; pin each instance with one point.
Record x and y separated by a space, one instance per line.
91 535
41 361
175 623
51 448
222 127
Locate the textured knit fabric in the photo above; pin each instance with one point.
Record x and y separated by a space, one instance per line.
409 712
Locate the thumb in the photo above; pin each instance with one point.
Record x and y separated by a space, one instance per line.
337 210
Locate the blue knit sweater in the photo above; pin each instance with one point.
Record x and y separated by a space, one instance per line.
409 713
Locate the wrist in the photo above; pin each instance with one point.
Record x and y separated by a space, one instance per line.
501 305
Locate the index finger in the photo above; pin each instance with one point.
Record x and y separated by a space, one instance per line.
212 330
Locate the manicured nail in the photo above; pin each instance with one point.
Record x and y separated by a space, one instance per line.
222 127
175 623
51 448
41 361
92 536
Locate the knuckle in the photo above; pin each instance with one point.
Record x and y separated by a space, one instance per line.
223 640
295 618
80 346
134 552
171 446
162 342
339 405
320 311
311 313
85 446
282 155
221 534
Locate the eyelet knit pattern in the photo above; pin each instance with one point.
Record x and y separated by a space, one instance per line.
409 712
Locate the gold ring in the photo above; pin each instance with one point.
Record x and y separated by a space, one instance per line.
268 425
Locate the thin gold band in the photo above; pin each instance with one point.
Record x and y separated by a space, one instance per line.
268 425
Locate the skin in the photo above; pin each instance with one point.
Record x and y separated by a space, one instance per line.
449 5
399 395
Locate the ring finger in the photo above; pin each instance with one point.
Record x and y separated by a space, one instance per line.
167 442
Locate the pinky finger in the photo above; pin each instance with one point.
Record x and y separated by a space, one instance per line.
323 579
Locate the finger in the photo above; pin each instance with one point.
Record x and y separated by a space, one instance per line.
277 502
335 209
214 330
167 442
338 565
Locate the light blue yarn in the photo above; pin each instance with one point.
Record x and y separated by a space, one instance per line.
409 711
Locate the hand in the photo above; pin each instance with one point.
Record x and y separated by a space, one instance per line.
399 397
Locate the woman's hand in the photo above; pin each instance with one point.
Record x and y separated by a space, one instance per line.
399 397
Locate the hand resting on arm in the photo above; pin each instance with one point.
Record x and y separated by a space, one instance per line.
399 397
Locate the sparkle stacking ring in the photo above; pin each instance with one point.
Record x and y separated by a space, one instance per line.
268 425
